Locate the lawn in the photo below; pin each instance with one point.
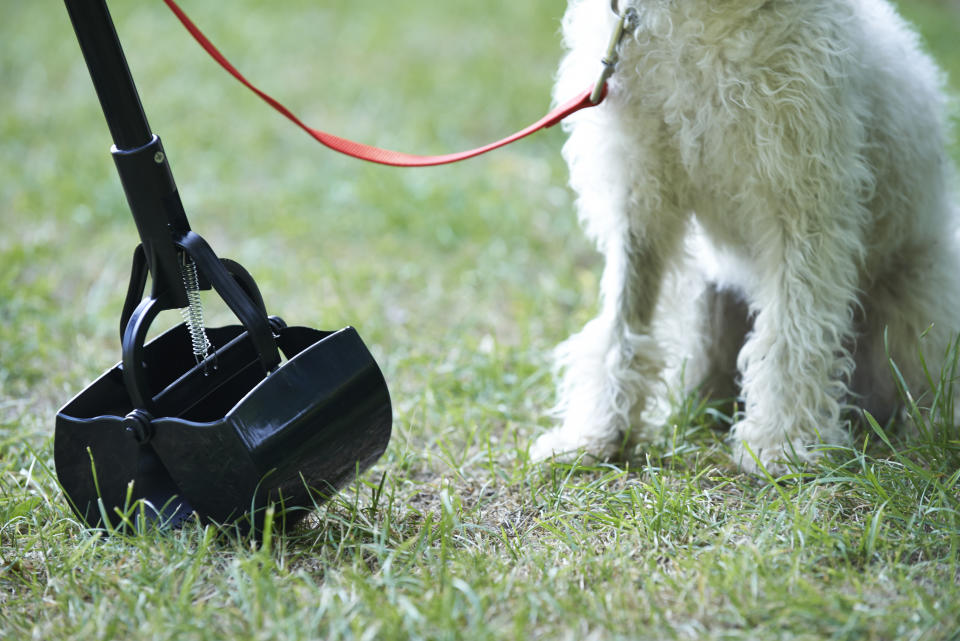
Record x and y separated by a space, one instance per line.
452 276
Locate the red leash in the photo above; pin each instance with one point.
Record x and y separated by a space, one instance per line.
375 154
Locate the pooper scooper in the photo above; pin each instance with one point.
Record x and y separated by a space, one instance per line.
214 422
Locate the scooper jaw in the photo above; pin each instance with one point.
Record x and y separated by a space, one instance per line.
225 443
217 422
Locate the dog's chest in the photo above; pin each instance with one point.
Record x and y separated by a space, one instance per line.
696 91
703 97
692 99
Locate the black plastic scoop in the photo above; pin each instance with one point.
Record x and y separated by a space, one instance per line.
217 422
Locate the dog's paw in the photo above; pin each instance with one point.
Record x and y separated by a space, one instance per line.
763 457
758 464
565 446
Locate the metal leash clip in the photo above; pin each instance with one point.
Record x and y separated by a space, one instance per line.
626 23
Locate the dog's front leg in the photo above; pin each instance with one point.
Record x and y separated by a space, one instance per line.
613 366
796 363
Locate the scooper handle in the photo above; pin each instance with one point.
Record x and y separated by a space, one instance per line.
111 76
138 153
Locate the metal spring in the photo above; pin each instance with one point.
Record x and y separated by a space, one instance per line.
193 314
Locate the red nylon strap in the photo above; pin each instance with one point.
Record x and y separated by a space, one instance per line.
366 152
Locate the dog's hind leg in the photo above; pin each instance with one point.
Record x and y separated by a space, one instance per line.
705 321
911 310
701 325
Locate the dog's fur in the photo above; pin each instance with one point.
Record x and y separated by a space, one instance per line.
768 183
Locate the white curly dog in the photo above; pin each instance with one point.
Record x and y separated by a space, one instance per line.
768 183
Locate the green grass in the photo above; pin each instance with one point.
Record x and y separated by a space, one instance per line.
452 276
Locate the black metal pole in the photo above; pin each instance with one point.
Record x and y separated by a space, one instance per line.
137 152
111 76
